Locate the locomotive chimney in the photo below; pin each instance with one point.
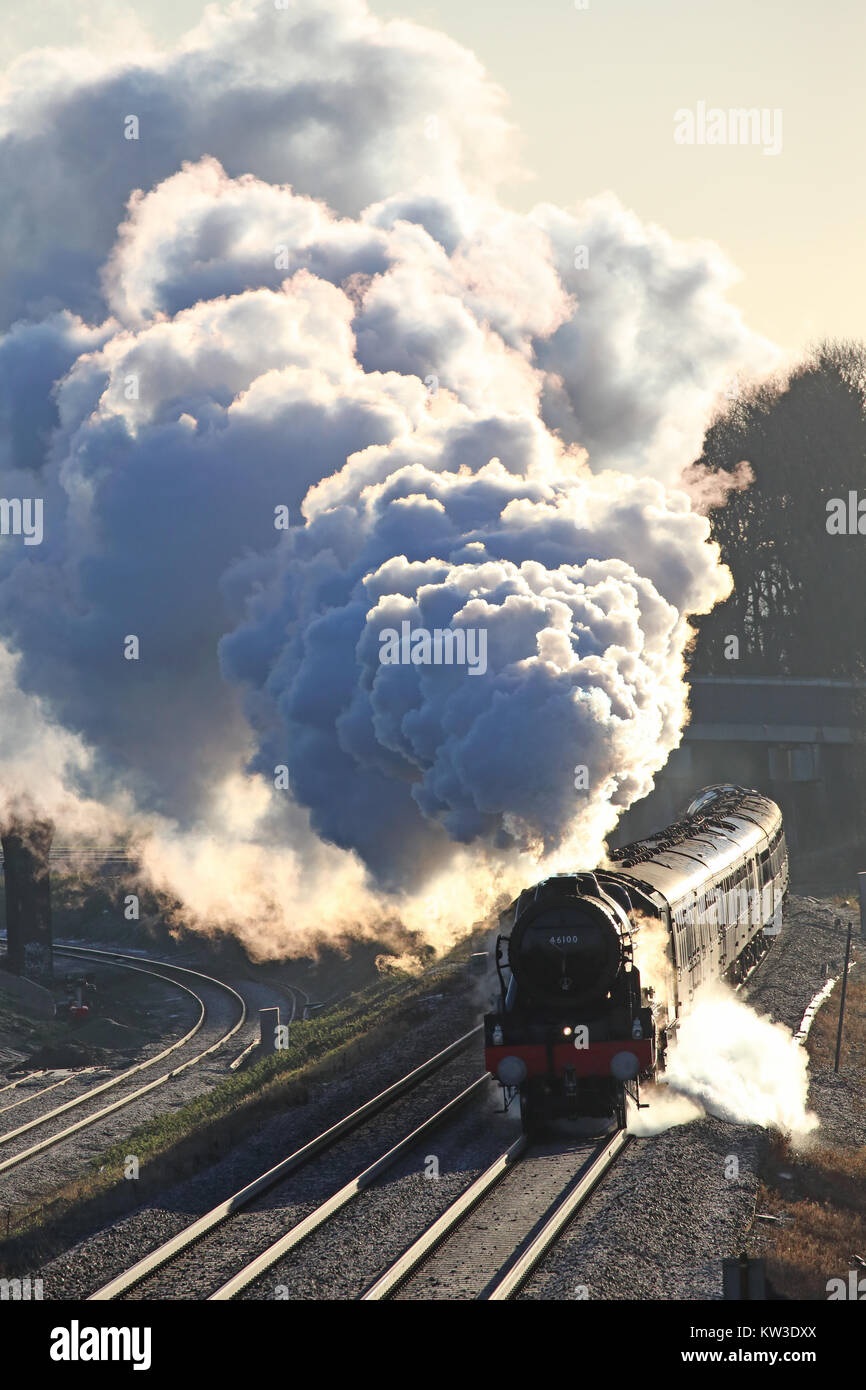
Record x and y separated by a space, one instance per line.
26 844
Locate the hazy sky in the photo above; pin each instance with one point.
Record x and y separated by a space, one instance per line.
594 92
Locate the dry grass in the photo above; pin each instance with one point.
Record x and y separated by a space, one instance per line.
820 1192
823 1210
822 1038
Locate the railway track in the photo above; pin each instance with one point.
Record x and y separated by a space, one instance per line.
142 1274
82 1103
505 1281
297 1000
575 1176
31 1076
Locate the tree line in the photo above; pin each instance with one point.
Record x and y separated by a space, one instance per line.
794 538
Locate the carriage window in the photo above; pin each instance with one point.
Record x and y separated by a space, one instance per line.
680 935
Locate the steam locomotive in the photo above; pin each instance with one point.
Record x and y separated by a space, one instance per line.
595 968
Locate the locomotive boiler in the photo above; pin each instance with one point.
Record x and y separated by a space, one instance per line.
595 968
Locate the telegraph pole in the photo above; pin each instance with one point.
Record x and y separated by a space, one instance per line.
861 884
845 983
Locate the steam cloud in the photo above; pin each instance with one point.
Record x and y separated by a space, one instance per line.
730 1062
299 290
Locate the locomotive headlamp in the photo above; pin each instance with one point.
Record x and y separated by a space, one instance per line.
511 1071
566 1032
624 1066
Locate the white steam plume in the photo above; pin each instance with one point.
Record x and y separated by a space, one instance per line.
729 1062
283 294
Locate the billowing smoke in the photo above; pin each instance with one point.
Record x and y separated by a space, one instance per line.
582 657
732 1063
653 958
294 297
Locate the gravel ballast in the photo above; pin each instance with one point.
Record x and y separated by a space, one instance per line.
36 1179
668 1214
657 1227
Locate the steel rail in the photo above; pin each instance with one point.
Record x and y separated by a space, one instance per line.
517 1273
55 1085
121 1076
335 1203
191 1234
292 994
27 1076
86 1096
445 1224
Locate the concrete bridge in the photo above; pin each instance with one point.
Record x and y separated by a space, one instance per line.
790 738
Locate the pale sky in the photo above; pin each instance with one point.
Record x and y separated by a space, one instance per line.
594 92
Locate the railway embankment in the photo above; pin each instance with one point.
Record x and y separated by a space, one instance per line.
810 1224
331 1062
670 1211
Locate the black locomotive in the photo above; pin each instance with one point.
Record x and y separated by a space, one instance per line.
596 968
